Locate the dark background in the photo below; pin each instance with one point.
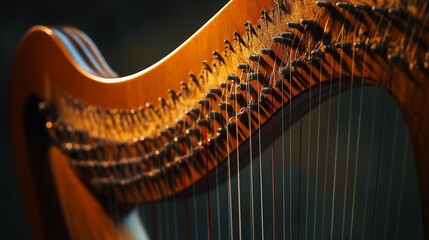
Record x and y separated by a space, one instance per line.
131 35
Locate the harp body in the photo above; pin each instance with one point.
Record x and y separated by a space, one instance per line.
291 53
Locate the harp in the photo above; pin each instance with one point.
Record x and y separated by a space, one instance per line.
236 150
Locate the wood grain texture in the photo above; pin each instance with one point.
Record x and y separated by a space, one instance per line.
44 66
33 76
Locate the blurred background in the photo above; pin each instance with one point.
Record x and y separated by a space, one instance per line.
131 35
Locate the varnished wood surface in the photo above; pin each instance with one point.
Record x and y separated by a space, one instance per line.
85 217
61 71
50 67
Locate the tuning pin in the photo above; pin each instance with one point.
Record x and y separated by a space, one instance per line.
249 28
395 57
289 35
259 59
166 134
313 60
280 84
228 45
327 48
194 132
380 9
173 95
163 103
238 38
204 103
238 97
398 12
181 124
184 87
267 51
307 22
243 66
203 122
343 46
194 80
324 4
243 117
152 109
286 72
317 53
207 66
214 115
297 63
267 90
234 78
379 48
210 96
256 76
359 45
224 85
242 86
193 113
282 40
265 16
217 56
344 5
280 5
227 107
362 6
254 106
216 91
295 25
254 57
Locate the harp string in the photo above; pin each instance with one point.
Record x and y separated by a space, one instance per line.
119 206
217 188
260 158
185 179
176 232
273 179
117 209
309 47
404 166
194 199
370 158
341 39
230 219
381 131
238 163
252 202
318 143
391 172
358 132
369 168
300 140
160 220
209 222
389 77
356 28
273 184
283 159
290 145
327 140
166 217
